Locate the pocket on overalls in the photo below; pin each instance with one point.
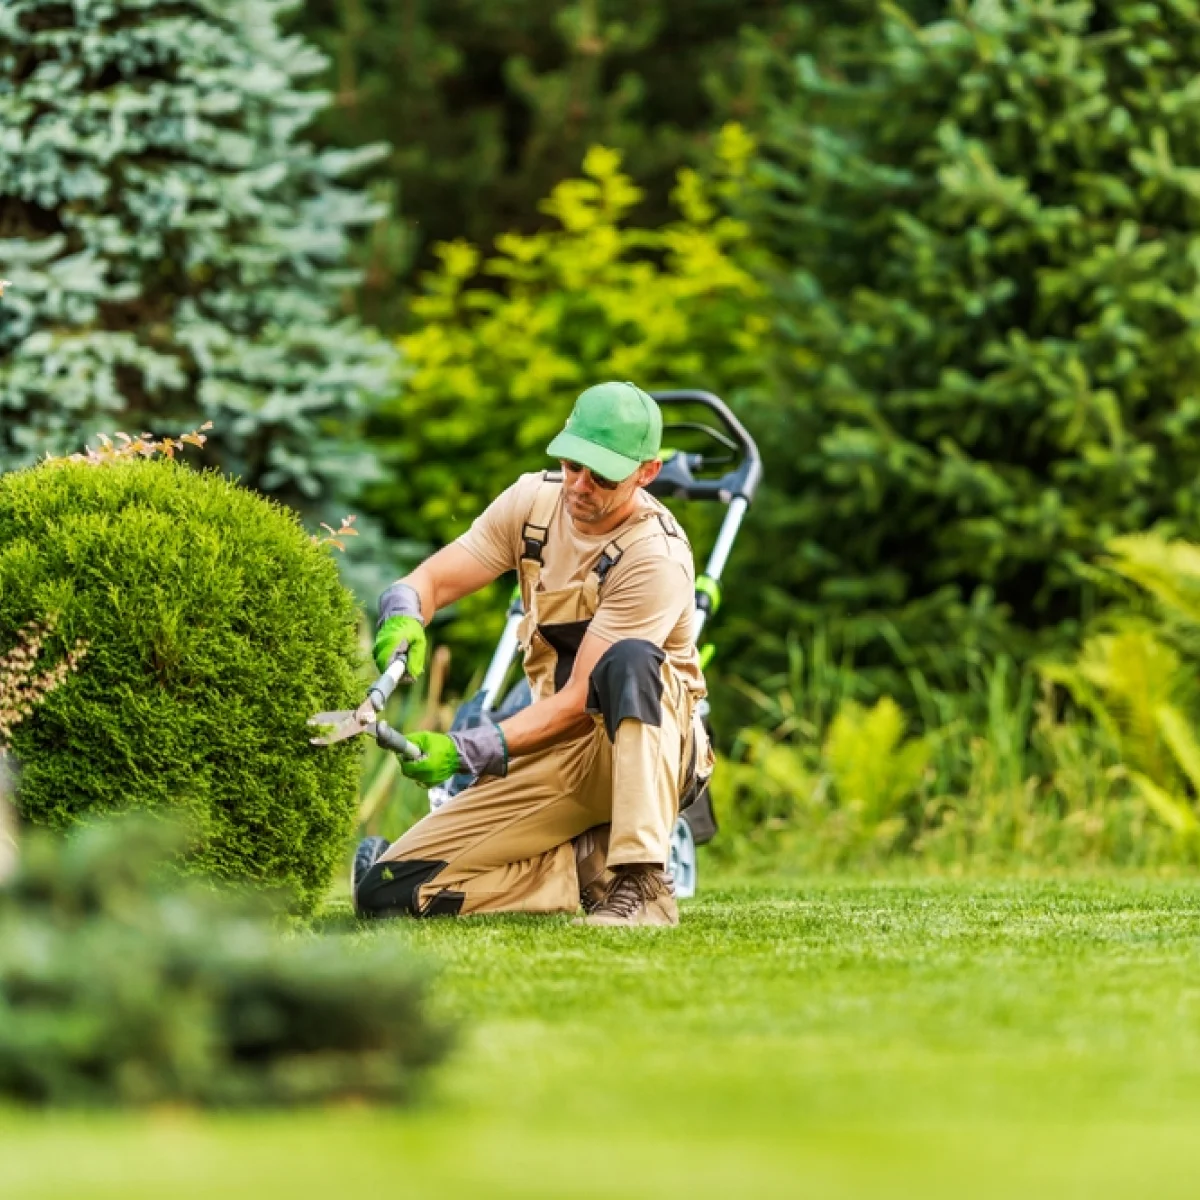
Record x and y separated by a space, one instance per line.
525 630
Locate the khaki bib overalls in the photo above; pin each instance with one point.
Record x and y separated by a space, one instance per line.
504 845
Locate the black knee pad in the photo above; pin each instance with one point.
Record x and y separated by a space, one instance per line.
390 889
626 684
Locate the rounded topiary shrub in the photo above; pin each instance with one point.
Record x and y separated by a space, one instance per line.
215 627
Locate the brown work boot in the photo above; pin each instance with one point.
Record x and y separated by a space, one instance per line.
591 864
639 895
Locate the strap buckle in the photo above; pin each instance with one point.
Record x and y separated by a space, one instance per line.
533 537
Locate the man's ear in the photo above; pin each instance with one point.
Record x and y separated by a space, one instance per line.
648 471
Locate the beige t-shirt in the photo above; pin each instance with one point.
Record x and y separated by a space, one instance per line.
649 593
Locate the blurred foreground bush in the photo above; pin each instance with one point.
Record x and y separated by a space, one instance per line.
121 985
215 627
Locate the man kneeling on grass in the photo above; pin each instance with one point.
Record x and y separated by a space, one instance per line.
578 792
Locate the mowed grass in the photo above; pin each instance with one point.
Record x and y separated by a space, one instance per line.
827 1038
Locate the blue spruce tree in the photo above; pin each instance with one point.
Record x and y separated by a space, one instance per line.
176 247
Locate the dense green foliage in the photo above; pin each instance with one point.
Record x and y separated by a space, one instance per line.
995 776
943 266
489 104
118 985
214 627
987 225
176 248
1091 757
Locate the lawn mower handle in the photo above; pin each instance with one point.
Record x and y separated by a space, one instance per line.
676 479
504 654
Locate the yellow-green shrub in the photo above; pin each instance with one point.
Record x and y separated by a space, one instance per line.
851 794
501 344
1136 675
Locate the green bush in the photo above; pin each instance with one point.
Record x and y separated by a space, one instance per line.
119 985
988 318
215 627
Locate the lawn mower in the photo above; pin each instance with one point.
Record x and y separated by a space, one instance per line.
712 457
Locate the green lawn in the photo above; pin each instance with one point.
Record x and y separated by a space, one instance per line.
826 1038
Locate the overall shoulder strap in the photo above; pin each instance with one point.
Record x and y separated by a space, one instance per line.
536 529
653 524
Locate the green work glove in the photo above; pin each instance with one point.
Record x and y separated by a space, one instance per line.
440 762
392 635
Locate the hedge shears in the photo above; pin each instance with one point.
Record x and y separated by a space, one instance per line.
350 722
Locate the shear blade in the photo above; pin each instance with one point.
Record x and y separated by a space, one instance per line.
330 718
345 725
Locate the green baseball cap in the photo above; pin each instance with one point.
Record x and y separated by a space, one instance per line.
612 430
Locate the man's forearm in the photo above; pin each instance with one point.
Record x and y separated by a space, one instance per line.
423 585
446 576
424 582
544 723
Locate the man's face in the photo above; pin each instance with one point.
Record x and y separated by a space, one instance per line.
591 499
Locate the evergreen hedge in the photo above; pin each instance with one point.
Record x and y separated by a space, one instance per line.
988 223
119 985
214 627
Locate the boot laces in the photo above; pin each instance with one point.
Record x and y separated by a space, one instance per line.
632 889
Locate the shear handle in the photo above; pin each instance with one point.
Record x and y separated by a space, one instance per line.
393 739
385 685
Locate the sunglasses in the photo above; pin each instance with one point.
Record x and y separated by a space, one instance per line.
605 485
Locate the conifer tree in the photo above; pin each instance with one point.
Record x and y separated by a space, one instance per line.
176 246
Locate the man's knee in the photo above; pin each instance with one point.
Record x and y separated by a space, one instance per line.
627 684
392 889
